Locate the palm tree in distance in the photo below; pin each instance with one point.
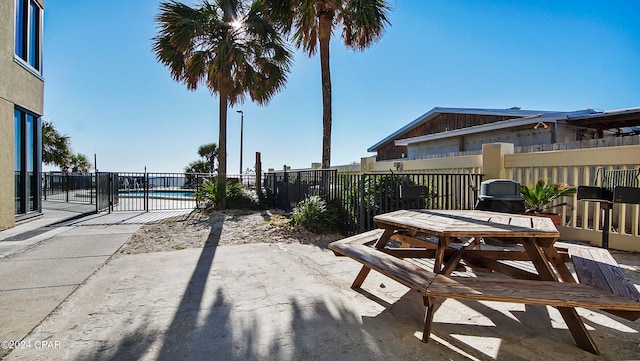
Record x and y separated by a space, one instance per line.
209 152
55 146
312 23
79 163
228 46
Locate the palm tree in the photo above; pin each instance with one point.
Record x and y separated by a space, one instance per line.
79 163
209 152
55 146
312 23
228 46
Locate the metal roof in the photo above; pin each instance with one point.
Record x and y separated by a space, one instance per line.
620 118
548 117
515 112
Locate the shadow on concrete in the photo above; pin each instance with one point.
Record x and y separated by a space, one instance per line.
132 346
175 345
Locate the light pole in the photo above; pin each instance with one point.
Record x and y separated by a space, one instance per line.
241 130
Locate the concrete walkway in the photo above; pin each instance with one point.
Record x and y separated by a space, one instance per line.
45 260
68 297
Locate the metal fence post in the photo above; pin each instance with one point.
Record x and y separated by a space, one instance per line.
110 192
361 203
146 190
286 190
95 193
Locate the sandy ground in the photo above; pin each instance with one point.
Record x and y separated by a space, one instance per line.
197 230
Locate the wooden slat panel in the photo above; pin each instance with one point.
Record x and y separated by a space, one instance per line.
528 292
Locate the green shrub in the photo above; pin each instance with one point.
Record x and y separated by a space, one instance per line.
208 193
315 215
237 196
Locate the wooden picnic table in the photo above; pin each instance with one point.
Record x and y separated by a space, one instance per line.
451 236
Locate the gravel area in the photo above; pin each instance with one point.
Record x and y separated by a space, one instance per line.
199 229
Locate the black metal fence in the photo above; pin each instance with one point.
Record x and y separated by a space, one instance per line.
286 189
156 191
360 197
121 192
68 187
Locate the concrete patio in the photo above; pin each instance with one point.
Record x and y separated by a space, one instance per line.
68 298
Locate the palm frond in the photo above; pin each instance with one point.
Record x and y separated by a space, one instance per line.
363 22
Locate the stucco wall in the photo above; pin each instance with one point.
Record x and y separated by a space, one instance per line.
7 208
475 141
18 86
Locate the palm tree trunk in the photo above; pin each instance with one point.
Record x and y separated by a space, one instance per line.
222 151
326 20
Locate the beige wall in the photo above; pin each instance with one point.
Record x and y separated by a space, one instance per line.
18 86
7 208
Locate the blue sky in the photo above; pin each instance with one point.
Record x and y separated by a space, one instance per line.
106 91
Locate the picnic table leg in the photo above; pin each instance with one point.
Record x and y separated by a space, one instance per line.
443 244
429 303
364 271
569 314
559 265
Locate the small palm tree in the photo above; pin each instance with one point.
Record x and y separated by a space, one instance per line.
228 46
312 23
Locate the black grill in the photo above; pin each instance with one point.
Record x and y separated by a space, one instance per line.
612 186
500 195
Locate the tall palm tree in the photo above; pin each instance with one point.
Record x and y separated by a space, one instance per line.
228 46
312 23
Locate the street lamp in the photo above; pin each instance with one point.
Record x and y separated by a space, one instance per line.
241 129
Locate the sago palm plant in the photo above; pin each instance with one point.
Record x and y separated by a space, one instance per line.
539 196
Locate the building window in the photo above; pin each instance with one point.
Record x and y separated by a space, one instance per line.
27 156
29 33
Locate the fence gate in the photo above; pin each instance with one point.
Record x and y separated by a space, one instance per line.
106 191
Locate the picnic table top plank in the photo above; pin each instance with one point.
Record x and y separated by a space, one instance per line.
469 223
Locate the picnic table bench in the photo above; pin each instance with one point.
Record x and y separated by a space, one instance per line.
607 289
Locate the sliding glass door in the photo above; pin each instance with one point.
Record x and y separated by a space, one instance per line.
28 159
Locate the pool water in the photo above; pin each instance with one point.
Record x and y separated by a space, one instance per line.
152 193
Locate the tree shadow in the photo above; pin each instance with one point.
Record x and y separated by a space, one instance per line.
175 344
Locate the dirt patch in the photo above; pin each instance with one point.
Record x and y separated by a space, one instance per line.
197 230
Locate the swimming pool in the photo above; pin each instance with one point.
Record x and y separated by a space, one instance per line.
157 194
